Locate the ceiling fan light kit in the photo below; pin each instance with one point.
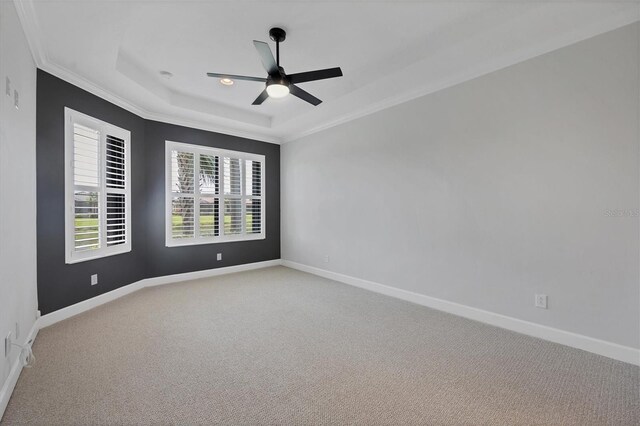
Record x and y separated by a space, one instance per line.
277 83
277 90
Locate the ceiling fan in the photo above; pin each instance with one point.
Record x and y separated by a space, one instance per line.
278 83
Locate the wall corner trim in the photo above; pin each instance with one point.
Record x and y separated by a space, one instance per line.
14 373
85 305
567 338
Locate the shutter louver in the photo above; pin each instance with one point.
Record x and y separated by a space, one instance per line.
115 162
209 175
116 219
86 156
182 184
182 170
232 200
231 176
209 187
182 224
209 217
253 188
86 179
253 178
86 230
232 216
116 184
253 208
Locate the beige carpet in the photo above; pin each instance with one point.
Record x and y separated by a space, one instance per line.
277 346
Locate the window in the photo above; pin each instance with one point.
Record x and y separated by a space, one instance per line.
97 188
213 195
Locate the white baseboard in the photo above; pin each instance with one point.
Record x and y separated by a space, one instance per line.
579 341
14 373
600 347
187 276
85 305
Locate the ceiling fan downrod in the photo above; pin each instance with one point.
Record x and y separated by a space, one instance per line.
278 35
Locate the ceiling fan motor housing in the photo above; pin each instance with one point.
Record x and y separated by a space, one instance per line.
277 79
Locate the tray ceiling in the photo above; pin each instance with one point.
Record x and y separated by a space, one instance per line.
390 52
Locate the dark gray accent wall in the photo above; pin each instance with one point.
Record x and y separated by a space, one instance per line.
61 285
173 260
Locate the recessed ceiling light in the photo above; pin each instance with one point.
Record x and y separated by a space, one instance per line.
166 74
226 81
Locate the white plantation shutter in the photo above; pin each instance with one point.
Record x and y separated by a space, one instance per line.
253 197
86 187
97 188
86 156
232 196
213 195
116 189
209 197
183 197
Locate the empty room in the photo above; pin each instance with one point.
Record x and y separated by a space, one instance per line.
334 212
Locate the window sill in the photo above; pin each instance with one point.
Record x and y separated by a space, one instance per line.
217 240
70 261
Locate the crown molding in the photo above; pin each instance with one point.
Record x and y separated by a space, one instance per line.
29 21
496 64
30 25
31 28
96 90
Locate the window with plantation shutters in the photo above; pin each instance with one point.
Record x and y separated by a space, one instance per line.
213 195
97 188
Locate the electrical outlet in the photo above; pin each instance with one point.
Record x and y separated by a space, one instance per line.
326 258
94 279
7 345
541 301
219 256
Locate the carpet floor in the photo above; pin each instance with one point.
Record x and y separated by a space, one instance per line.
278 346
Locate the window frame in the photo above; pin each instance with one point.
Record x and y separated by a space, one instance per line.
221 153
71 255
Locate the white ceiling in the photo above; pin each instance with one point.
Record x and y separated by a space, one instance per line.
389 52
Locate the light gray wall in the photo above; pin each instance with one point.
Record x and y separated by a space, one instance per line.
18 300
489 192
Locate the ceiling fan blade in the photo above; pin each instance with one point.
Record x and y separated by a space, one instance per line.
236 77
261 98
305 96
301 77
268 62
